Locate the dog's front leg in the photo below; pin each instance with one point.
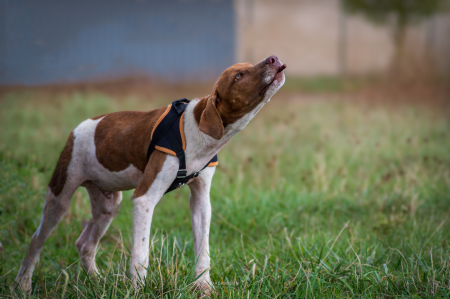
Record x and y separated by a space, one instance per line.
159 173
201 219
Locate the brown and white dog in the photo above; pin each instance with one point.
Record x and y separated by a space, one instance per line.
107 154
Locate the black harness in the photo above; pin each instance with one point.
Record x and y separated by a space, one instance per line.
167 135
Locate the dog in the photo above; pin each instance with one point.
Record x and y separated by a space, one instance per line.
108 154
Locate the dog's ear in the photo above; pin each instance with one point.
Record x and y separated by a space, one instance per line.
210 121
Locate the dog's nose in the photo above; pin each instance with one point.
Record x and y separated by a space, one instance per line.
271 59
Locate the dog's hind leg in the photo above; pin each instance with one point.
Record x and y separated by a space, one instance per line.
104 207
64 182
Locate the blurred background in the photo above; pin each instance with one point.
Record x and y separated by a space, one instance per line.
49 41
352 152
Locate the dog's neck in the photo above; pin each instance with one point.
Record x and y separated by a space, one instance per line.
200 148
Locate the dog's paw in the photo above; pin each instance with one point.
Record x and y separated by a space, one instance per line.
204 287
24 282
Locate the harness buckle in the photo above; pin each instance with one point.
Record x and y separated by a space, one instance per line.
195 174
182 173
181 185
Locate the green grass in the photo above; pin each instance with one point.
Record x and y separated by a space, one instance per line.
313 199
325 84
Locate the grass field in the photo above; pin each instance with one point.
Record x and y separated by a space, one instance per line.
319 198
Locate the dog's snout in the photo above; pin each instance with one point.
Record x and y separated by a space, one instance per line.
271 59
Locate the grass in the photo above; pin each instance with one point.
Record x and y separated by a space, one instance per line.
318 198
326 84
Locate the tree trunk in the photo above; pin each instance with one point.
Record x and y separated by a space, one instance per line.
399 37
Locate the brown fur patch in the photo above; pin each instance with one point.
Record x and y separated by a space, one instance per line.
154 166
122 138
98 117
210 121
237 97
59 176
198 109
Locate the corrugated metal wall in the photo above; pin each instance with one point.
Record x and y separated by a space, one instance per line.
48 41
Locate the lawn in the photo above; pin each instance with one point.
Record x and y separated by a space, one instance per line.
323 197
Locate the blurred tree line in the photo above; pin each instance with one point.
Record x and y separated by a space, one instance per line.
400 13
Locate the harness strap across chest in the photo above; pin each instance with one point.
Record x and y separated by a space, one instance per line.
168 137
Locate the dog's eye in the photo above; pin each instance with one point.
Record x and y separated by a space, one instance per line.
238 76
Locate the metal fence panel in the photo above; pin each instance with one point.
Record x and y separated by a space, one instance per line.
47 41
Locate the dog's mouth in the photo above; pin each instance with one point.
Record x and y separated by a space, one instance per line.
277 75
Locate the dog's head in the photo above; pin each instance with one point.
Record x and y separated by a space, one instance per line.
239 90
